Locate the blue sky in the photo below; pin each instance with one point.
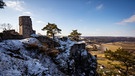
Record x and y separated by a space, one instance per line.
89 17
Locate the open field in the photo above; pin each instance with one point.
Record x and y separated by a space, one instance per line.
126 45
114 46
111 46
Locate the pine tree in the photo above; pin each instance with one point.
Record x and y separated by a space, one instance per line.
2 4
126 59
51 29
74 35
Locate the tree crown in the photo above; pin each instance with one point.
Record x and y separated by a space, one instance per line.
2 4
51 29
74 35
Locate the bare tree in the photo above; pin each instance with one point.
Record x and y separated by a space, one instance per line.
9 26
5 26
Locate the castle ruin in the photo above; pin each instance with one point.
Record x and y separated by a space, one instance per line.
25 26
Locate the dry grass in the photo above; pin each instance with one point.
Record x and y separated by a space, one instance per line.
128 46
99 54
125 45
111 46
52 52
32 46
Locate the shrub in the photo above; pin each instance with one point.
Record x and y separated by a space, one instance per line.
53 52
31 46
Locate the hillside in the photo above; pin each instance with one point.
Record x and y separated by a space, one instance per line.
30 57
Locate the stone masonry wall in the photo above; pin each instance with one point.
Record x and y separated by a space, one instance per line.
25 26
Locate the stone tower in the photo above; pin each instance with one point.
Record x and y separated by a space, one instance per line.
25 26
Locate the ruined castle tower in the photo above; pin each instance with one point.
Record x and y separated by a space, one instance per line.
25 26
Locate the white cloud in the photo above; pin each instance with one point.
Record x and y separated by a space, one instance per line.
27 13
17 5
99 7
41 22
128 20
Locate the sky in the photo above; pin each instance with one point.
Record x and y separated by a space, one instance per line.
89 17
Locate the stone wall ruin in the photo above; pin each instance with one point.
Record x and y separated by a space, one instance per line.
25 26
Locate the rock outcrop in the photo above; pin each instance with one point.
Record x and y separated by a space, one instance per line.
75 60
50 43
17 60
25 58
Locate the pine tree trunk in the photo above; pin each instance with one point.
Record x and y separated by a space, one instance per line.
53 36
126 70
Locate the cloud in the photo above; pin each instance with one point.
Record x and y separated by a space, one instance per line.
27 13
41 22
128 20
17 5
99 7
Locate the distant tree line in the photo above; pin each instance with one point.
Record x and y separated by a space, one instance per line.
100 39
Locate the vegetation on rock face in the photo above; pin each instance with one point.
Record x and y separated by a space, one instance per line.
74 35
126 61
51 29
28 57
2 4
